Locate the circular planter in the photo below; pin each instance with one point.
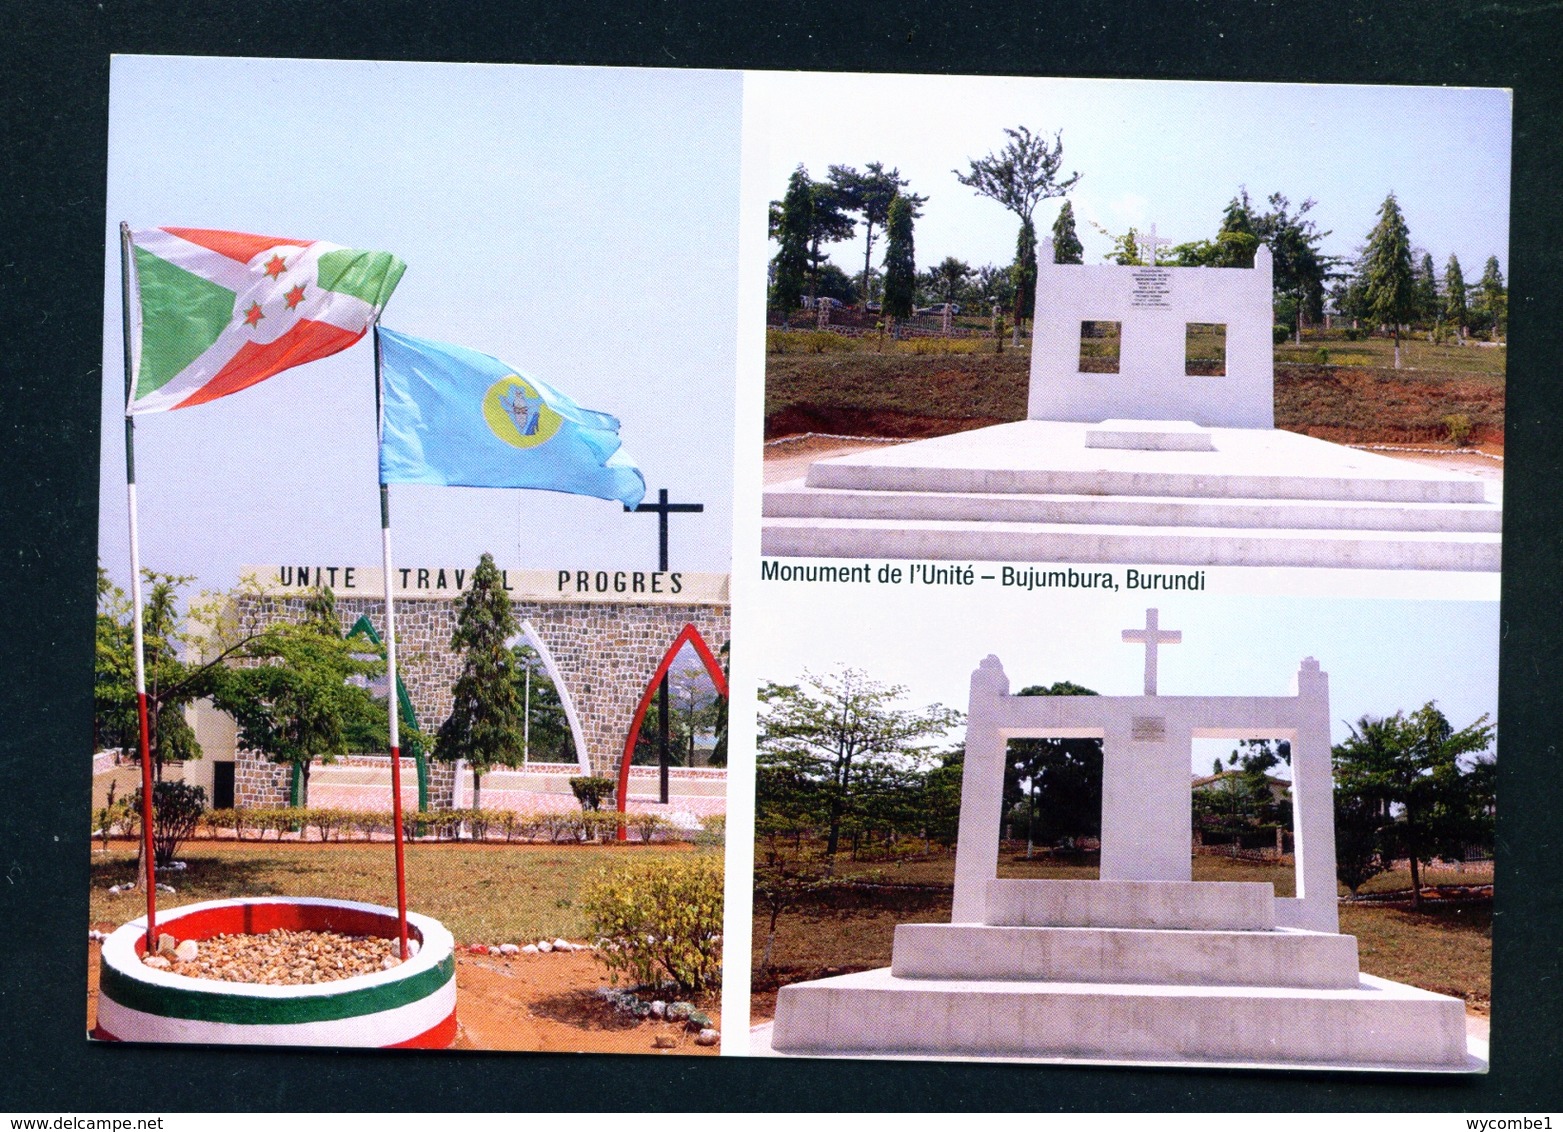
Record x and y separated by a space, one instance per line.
412 1005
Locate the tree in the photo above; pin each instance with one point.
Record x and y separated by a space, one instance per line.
869 194
1386 269
1406 773
297 694
1455 311
994 285
950 273
1059 779
545 730
692 712
1238 238
485 723
900 261
172 683
1243 797
1024 272
1067 247
828 223
1299 269
833 740
792 228
1022 174
1492 301
1125 248
1425 283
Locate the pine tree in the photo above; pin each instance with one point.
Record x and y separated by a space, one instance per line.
1024 271
1387 275
1455 311
1067 247
792 232
1426 284
1493 299
485 723
869 194
900 261
1238 239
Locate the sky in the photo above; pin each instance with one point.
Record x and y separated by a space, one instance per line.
1382 656
548 217
1168 153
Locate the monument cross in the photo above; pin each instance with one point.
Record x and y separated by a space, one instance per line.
1151 636
663 509
1152 243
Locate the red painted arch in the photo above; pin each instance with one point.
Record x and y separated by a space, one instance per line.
687 635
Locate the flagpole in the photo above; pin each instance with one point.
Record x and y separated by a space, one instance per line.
147 855
390 664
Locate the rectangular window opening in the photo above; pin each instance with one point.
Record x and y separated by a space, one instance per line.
1099 343
1051 826
1242 799
1205 349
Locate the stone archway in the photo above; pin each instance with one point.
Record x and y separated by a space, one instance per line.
688 635
532 637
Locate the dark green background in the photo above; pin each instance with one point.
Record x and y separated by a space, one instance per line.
54 70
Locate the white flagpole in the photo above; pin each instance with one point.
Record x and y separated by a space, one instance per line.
125 254
390 665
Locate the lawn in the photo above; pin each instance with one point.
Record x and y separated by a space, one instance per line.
491 893
1445 948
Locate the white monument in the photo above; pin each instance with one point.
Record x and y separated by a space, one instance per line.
1144 964
1159 460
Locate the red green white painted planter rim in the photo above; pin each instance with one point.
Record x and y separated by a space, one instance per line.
410 1004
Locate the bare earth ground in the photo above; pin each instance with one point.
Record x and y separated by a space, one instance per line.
483 892
538 1003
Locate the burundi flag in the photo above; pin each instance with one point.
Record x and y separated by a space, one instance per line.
457 417
220 311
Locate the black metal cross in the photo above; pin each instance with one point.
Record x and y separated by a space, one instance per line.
663 509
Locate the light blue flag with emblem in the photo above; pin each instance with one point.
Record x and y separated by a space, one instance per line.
456 417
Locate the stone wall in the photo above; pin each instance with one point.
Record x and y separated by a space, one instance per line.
606 653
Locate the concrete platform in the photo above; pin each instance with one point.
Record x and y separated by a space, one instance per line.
1376 1024
1046 491
1190 905
1286 957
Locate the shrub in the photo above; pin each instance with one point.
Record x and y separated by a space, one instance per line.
713 831
1324 355
561 825
924 346
659 919
176 811
1457 427
214 821
328 823
646 824
1280 333
591 790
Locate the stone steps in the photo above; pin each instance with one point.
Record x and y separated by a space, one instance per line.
794 501
1240 906
1137 491
1166 956
1168 545
844 473
1373 1024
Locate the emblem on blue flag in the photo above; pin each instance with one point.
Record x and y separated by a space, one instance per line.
456 417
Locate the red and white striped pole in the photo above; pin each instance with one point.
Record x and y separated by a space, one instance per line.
125 253
390 666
